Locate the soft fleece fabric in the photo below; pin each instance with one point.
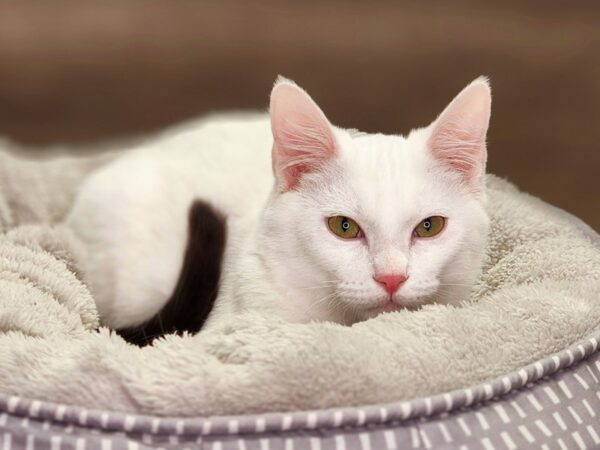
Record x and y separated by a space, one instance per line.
540 292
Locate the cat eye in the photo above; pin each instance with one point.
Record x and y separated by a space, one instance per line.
344 227
429 227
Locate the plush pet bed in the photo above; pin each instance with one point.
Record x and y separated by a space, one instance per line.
516 367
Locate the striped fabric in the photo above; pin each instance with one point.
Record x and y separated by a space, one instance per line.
551 404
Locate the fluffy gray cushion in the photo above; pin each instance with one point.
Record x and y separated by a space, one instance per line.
540 292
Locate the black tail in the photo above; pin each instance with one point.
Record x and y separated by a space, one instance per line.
198 284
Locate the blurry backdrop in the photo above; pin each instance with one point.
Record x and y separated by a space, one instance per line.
76 72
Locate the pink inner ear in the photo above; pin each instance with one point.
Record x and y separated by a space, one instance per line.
463 151
303 136
458 136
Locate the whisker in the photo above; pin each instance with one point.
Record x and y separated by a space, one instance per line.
318 302
319 286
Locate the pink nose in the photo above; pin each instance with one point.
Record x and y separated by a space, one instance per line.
391 283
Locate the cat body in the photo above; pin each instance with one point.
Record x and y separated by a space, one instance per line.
131 214
290 187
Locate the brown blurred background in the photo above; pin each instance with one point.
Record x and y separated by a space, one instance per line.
83 71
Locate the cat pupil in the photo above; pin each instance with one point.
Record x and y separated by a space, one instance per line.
345 225
427 225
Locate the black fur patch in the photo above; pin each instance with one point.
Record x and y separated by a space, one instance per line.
198 284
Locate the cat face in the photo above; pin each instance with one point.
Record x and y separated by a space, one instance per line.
359 224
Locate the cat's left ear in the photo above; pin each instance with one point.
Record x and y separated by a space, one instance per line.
459 133
303 137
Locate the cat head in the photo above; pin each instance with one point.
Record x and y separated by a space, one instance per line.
364 223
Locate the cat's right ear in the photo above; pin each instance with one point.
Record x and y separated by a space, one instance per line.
303 137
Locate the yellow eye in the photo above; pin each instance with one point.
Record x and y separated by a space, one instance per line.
430 227
344 227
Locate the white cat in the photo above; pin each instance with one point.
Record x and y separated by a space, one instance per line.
322 223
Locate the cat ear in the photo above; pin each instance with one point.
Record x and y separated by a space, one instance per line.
303 137
458 134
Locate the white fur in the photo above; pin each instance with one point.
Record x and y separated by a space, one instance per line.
280 256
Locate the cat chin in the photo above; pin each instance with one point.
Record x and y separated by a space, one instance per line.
363 310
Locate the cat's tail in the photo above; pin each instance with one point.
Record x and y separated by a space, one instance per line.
198 283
